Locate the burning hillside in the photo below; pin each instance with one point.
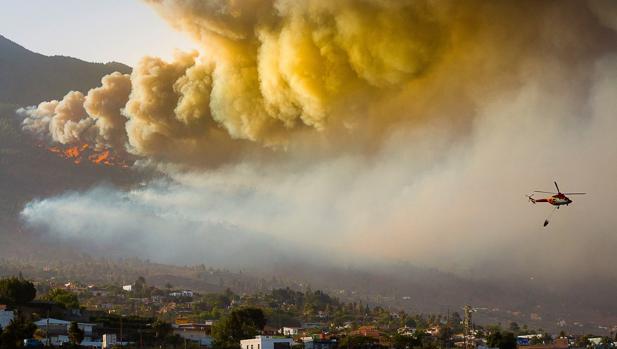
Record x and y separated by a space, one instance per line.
87 154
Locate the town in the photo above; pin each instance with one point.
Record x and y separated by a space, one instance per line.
138 315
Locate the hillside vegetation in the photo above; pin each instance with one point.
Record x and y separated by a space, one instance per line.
28 78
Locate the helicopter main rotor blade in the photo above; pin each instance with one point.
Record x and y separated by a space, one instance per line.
556 186
544 192
574 193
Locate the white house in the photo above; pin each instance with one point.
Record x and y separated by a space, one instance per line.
195 332
266 342
291 331
109 340
406 331
6 316
61 327
184 293
127 288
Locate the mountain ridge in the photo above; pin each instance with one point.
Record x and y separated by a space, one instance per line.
28 77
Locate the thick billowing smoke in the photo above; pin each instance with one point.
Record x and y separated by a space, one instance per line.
95 118
317 75
419 200
395 130
104 104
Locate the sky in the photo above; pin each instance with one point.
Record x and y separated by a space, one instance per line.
96 31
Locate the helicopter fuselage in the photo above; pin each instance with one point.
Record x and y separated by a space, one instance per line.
555 200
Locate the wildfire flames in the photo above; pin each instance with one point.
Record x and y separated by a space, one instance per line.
87 153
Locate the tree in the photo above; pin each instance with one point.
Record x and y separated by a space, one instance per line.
405 342
174 340
16 331
582 341
358 342
161 330
239 324
140 285
501 340
411 322
64 298
16 291
76 334
494 339
606 342
547 338
514 327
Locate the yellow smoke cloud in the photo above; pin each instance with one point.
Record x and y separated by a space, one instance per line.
104 105
283 65
94 118
279 72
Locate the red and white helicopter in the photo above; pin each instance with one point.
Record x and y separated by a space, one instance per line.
557 199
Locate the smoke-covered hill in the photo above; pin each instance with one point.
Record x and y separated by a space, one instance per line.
28 78
27 169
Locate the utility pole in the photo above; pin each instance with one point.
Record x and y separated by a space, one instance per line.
468 310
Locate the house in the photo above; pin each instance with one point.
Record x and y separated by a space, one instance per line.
63 325
319 343
559 343
109 340
291 331
266 342
57 330
406 331
127 288
367 331
434 331
185 293
195 332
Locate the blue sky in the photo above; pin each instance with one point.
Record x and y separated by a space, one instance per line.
100 31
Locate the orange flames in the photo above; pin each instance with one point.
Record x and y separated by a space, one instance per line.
102 158
85 152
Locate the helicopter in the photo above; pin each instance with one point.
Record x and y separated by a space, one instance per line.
558 199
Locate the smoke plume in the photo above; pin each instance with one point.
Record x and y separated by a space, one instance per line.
95 118
319 74
394 130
